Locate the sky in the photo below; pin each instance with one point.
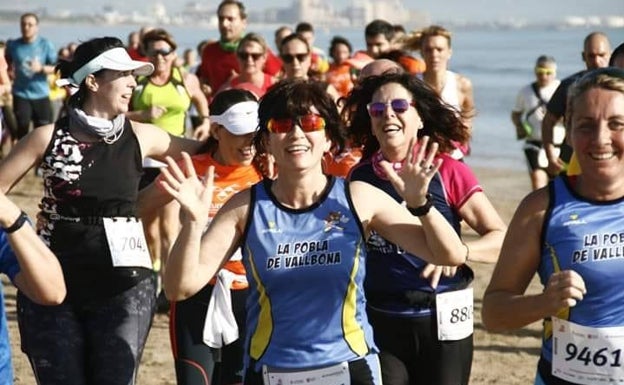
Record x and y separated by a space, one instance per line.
439 10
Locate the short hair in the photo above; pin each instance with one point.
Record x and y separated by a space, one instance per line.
241 7
157 34
281 29
253 37
294 98
339 40
545 60
29 14
304 26
291 37
379 27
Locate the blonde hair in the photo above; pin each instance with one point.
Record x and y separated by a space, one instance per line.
609 78
413 41
253 37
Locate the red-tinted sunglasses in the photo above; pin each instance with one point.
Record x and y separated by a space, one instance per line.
308 123
377 109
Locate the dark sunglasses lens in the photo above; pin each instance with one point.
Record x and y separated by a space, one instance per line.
376 109
310 123
399 105
280 126
162 52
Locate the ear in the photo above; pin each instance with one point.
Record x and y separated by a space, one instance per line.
91 83
328 145
215 131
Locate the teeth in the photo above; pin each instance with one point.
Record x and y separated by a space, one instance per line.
602 156
297 148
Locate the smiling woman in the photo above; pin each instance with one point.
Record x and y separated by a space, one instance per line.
87 214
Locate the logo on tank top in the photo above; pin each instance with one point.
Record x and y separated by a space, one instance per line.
334 220
574 220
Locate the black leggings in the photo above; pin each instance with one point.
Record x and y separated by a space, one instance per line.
99 342
195 362
411 353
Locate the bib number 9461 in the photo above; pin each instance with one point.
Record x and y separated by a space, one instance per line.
587 355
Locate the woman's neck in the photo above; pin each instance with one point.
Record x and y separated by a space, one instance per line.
161 77
435 79
299 193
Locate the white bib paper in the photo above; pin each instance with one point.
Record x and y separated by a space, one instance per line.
455 318
126 242
331 375
587 355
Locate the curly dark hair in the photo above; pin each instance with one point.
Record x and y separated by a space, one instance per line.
442 123
294 98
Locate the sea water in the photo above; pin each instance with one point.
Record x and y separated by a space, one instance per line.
497 61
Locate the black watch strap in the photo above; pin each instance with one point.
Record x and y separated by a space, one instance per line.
424 209
19 222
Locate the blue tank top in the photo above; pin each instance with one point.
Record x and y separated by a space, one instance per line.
587 237
305 267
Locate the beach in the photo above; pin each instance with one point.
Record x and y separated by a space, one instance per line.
501 358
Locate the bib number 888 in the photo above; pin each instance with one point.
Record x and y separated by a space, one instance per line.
461 314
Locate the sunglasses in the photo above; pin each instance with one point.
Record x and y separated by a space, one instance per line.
399 106
544 71
161 52
244 56
288 58
308 123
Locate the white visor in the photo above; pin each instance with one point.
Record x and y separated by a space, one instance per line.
116 59
239 119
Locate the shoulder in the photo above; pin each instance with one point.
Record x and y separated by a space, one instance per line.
463 83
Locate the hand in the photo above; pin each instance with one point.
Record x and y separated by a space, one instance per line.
564 289
36 66
183 184
153 113
555 166
412 182
202 132
434 273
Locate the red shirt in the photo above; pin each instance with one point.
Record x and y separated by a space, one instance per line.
217 65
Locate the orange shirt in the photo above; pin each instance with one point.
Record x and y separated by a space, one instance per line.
340 165
228 181
339 76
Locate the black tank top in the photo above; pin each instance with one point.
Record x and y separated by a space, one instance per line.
84 182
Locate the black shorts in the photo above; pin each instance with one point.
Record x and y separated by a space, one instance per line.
37 111
532 151
412 354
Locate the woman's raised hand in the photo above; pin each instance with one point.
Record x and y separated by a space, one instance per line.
412 181
192 192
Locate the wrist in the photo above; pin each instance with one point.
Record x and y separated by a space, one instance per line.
17 224
422 209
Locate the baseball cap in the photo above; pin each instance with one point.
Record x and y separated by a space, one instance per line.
239 119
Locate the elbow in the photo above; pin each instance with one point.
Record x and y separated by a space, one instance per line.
50 297
176 294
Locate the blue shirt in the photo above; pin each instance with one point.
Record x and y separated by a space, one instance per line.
10 267
29 85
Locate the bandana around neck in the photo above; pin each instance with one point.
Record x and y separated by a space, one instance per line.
229 46
376 160
108 130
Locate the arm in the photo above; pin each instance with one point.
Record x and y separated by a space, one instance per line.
158 144
505 306
201 104
516 119
151 199
429 236
40 276
555 165
26 154
482 217
195 259
467 101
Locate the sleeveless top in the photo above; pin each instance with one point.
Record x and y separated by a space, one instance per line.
393 281
172 95
84 182
305 268
587 237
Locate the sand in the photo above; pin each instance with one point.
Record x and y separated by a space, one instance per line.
501 358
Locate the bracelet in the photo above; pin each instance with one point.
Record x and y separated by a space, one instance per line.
19 222
424 209
467 252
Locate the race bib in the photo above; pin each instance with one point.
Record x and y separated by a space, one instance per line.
587 355
126 242
331 375
455 318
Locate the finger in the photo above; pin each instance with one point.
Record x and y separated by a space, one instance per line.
188 165
174 169
427 271
168 179
432 152
435 277
409 157
392 175
424 142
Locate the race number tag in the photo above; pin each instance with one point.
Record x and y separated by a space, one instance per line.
587 355
331 375
454 309
126 242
